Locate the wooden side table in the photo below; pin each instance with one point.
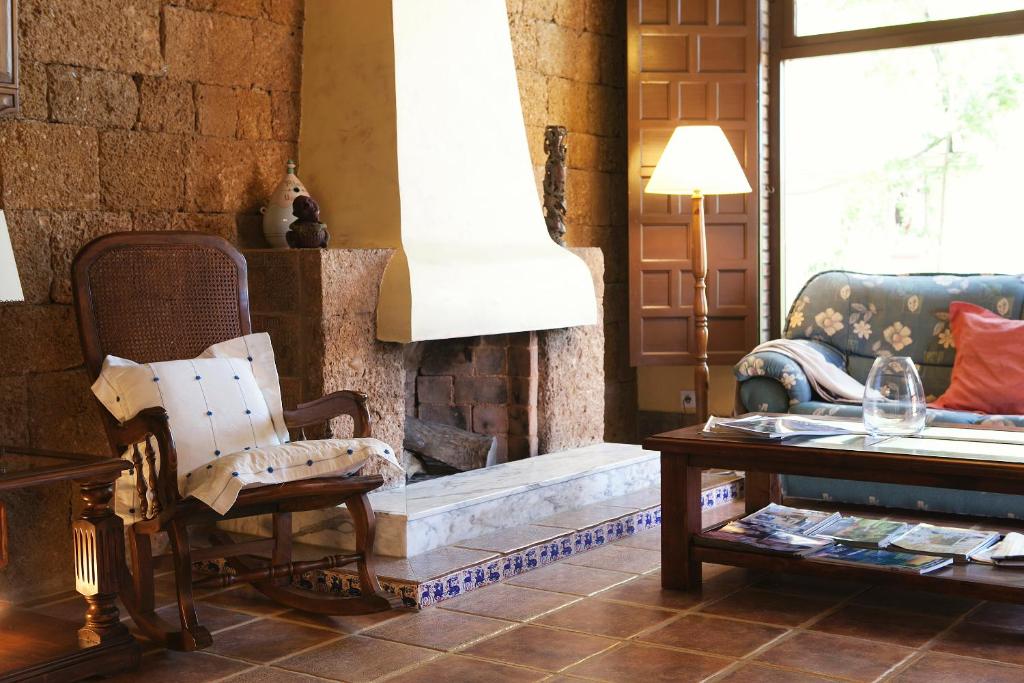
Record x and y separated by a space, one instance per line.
36 647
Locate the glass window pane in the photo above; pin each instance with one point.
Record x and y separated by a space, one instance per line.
830 16
904 160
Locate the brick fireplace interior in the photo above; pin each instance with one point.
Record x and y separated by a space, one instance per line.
487 385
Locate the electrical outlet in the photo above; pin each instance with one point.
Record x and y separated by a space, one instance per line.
688 401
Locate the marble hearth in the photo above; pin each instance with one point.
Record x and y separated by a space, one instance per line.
444 511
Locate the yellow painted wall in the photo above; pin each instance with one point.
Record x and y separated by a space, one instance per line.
659 387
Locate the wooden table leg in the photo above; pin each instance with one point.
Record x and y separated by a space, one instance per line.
99 557
759 489
680 519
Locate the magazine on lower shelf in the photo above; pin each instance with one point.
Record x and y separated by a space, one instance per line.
740 535
911 563
942 541
862 532
1008 552
779 427
792 520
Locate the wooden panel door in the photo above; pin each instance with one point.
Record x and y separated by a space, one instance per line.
8 55
691 62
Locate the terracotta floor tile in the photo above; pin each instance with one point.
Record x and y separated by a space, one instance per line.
759 673
647 590
603 618
465 670
810 586
1002 615
618 558
269 674
768 607
508 602
883 625
244 599
267 639
346 624
356 659
936 668
213 618
540 648
983 642
168 666
630 663
851 658
720 636
438 629
922 602
563 577
648 540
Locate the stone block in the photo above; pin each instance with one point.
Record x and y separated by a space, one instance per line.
48 166
117 35
613 60
533 94
588 58
39 535
540 9
522 391
606 16
217 110
63 415
68 232
249 231
567 104
475 390
89 97
434 390
522 420
456 416
587 202
621 415
606 110
254 120
284 115
287 11
354 359
278 61
275 284
37 339
522 362
524 42
208 47
490 420
240 8
535 141
31 253
166 106
571 14
616 302
14 409
557 49
521 447
220 224
286 337
233 175
352 278
32 90
142 170
490 360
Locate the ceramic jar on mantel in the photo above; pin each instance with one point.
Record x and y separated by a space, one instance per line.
277 214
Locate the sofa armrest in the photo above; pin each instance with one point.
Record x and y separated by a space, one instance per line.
770 382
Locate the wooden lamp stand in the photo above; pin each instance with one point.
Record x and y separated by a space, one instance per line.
699 262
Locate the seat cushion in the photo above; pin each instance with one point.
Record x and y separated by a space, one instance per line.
217 483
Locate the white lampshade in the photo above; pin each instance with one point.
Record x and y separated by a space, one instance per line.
698 159
10 284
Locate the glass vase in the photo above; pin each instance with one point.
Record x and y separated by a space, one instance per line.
894 403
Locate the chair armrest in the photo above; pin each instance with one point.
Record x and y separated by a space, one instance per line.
151 424
776 382
320 411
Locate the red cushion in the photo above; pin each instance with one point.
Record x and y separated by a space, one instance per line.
988 373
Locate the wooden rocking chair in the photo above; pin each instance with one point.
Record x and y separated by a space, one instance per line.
163 296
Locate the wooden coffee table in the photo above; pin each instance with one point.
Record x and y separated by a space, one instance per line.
974 460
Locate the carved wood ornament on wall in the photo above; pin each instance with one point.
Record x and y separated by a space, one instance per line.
554 182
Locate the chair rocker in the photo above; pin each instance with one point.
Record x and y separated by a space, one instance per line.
163 296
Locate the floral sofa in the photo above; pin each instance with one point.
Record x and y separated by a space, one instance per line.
853 318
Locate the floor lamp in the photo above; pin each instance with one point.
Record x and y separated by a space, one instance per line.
698 161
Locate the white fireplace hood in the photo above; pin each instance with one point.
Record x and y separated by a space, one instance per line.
442 157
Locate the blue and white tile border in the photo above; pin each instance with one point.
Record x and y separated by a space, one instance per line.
498 569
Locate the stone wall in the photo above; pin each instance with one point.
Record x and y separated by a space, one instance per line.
570 56
135 115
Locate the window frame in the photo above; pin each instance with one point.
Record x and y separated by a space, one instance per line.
784 45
